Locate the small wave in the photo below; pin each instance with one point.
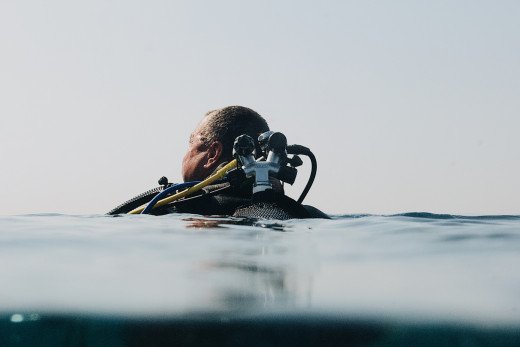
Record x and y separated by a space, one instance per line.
42 214
345 216
425 215
429 215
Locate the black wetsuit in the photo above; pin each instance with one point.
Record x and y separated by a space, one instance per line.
226 200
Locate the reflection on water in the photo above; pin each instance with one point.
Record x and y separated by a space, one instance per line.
203 223
256 276
217 222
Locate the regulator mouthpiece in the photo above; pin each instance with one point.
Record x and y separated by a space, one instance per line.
263 141
277 143
244 146
271 141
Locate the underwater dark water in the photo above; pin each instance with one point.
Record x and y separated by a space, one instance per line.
414 278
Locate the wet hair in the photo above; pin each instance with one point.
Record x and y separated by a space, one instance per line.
226 124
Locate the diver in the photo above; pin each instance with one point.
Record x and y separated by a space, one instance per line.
238 137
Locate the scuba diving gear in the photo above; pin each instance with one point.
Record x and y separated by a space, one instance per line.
163 181
274 149
141 199
199 185
165 193
299 149
244 187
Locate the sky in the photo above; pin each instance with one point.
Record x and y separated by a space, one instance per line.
407 105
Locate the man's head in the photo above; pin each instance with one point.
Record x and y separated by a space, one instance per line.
212 142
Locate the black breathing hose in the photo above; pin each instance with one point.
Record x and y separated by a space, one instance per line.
299 149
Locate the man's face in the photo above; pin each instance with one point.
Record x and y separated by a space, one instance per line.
196 158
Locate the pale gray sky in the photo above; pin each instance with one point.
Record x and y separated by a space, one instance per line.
408 105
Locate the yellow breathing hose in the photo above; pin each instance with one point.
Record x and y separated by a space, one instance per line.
216 176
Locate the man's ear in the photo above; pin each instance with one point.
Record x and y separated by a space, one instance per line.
214 154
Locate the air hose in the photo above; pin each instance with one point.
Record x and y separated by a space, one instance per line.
167 192
299 149
193 189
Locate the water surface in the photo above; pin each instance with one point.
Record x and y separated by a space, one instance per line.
416 270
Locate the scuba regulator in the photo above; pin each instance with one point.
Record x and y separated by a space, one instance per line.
273 162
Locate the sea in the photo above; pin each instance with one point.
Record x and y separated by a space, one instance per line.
412 279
